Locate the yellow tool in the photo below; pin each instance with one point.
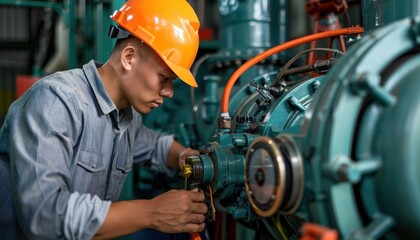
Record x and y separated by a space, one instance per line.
186 171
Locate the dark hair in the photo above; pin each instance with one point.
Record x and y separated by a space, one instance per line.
143 48
121 42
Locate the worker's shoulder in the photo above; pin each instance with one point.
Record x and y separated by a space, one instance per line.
69 79
70 86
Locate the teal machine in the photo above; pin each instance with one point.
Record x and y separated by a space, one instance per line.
335 143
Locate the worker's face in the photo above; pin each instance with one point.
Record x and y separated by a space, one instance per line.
148 82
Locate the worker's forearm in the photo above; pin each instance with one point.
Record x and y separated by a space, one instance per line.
126 217
174 211
174 154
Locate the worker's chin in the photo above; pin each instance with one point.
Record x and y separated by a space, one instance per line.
143 110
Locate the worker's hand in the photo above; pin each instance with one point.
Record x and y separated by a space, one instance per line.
179 211
186 153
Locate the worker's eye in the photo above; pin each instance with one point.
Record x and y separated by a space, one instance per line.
164 77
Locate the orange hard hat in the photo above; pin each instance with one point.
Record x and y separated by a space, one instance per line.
170 28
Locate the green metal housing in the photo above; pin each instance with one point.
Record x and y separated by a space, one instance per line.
356 138
360 144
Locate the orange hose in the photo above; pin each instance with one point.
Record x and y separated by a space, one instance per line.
251 62
195 236
313 231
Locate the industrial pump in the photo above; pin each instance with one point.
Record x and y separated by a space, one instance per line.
334 142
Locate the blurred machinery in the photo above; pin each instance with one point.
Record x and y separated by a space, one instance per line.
38 37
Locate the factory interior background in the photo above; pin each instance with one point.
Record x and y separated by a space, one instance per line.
323 98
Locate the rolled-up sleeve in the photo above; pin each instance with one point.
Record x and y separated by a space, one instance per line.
43 133
76 219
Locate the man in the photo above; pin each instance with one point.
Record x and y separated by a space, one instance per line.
67 145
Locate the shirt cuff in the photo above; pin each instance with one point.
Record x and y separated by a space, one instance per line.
84 216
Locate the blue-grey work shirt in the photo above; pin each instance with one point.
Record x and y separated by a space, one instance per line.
65 151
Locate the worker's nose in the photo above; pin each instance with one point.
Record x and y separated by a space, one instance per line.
168 89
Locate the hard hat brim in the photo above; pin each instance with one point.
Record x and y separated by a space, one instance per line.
184 74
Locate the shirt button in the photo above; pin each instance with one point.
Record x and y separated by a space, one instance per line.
116 131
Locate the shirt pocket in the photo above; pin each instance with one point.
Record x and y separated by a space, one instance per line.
90 172
91 161
124 163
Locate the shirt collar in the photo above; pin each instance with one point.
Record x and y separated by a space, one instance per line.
124 116
104 100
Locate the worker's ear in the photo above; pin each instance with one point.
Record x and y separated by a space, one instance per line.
127 57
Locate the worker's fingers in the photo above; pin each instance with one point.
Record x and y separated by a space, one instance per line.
195 227
180 209
199 208
197 195
197 218
196 202
186 153
190 152
191 201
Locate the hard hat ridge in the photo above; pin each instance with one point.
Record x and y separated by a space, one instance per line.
170 28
